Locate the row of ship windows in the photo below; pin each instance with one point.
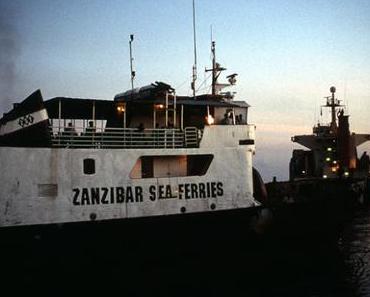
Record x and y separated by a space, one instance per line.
148 167
162 166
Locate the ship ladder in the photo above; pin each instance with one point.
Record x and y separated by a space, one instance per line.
170 110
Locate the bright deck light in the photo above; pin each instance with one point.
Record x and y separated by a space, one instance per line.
210 120
159 106
120 109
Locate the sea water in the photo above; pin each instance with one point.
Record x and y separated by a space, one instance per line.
273 265
355 248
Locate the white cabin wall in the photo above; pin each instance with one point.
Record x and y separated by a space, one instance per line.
227 135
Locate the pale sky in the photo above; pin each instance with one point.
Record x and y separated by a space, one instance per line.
287 54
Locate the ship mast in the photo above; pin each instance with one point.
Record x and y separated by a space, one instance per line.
195 53
333 104
216 69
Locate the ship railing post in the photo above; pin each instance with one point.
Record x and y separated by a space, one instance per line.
59 119
154 116
124 115
166 136
182 117
166 109
174 109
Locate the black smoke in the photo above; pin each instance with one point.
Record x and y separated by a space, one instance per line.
9 51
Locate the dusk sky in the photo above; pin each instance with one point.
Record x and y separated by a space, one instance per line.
287 54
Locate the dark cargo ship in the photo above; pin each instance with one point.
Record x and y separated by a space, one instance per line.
327 181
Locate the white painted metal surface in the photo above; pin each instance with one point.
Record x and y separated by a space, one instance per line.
48 185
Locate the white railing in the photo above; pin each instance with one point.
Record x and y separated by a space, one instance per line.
125 138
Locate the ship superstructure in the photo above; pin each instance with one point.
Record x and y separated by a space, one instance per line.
332 148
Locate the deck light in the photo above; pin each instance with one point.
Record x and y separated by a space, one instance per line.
120 109
346 173
210 120
328 159
329 149
324 176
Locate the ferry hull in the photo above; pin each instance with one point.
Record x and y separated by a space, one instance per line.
134 257
51 185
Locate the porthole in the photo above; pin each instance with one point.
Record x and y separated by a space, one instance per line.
89 166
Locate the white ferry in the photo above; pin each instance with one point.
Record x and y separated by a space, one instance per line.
147 153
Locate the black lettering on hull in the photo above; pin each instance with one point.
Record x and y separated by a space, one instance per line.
119 195
75 197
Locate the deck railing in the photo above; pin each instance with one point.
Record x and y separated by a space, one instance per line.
126 138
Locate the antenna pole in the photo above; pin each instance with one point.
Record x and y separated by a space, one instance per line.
211 33
131 60
195 53
214 68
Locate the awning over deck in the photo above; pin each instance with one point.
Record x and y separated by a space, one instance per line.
77 108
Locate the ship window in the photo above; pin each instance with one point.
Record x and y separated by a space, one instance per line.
89 166
171 166
147 167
